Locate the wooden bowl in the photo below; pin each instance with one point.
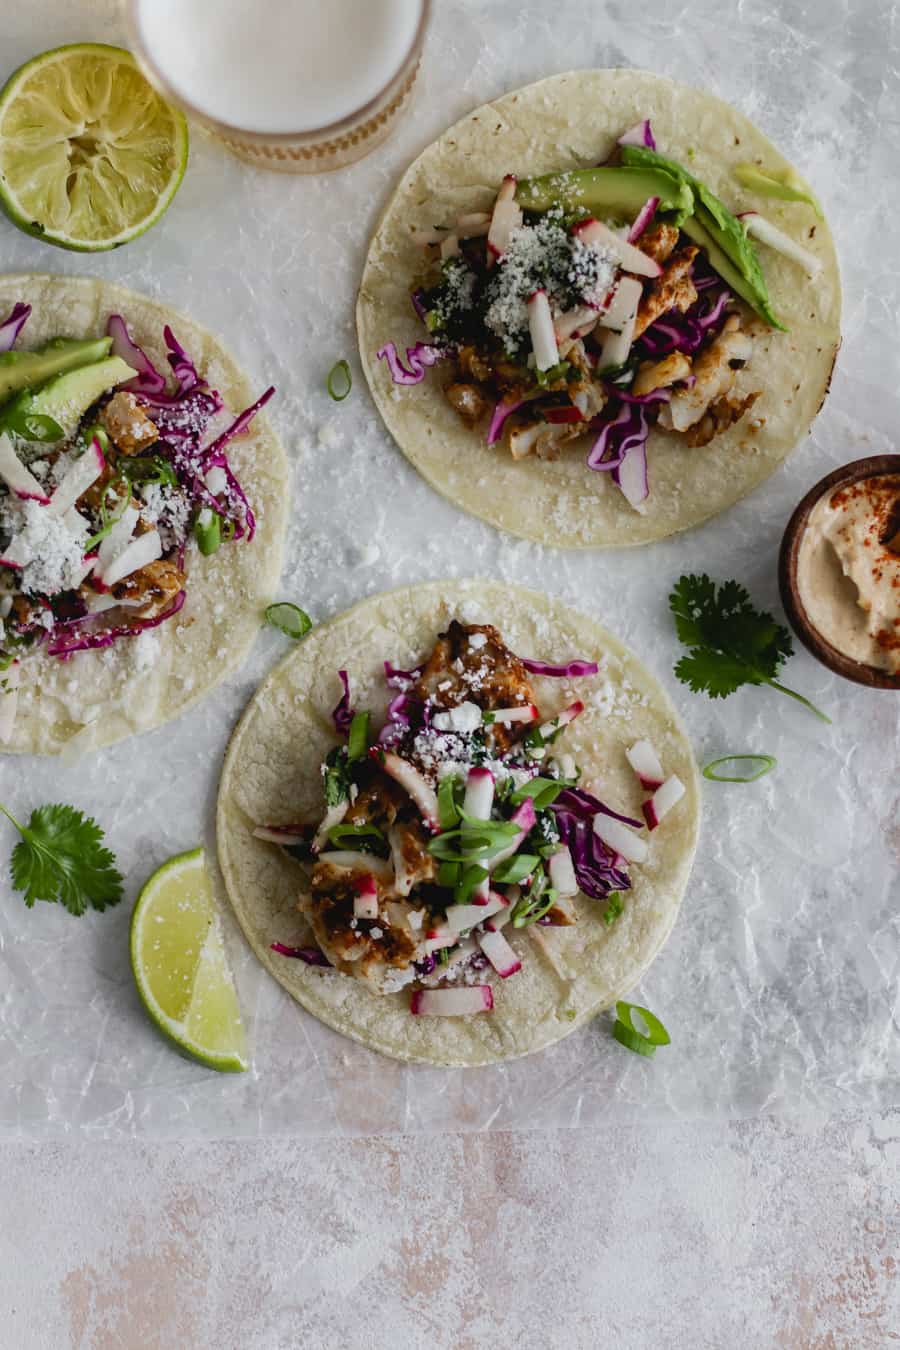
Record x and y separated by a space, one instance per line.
858 671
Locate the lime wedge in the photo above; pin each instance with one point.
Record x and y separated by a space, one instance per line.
90 155
179 965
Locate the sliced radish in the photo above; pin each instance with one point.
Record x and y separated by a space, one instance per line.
428 234
565 717
99 604
662 801
440 936
118 537
767 233
473 225
620 838
506 217
576 322
630 258
644 760
474 998
144 549
20 481
81 474
617 346
462 917
412 782
540 326
355 861
500 954
624 303
495 922
333 816
216 480
506 716
365 899
286 835
643 219
525 817
631 476
458 955
9 697
562 872
479 796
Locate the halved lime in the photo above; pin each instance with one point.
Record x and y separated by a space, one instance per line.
179 964
90 155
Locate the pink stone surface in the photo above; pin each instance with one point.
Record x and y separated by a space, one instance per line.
695 1237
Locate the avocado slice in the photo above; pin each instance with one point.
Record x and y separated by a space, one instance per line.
607 191
26 370
714 228
65 399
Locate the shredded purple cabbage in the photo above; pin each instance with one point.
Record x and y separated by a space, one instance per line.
498 419
627 430
418 357
343 714
674 332
560 672
395 678
595 864
311 955
64 645
640 134
148 380
12 325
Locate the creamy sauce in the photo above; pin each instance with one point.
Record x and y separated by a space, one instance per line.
848 570
279 66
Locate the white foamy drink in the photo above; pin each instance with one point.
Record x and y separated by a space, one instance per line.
282 66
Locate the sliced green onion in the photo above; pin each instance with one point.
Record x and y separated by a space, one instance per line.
33 427
534 904
543 791
626 1033
289 619
109 519
208 531
366 837
340 381
475 840
358 736
448 811
149 470
469 879
614 907
514 870
766 765
448 874
632 1040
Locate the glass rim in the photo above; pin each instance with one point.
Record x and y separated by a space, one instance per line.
311 135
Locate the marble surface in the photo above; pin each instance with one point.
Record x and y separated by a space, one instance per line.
743 1237
715 1234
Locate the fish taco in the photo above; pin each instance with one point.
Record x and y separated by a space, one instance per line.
142 513
458 821
599 310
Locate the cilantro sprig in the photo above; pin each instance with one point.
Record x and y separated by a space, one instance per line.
730 642
61 857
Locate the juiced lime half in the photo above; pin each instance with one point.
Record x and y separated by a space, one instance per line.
90 155
179 964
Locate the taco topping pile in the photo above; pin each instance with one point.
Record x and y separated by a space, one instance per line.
108 471
461 821
596 302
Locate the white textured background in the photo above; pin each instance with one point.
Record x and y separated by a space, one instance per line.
743 1234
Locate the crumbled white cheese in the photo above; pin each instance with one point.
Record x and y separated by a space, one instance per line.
49 547
477 641
466 717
